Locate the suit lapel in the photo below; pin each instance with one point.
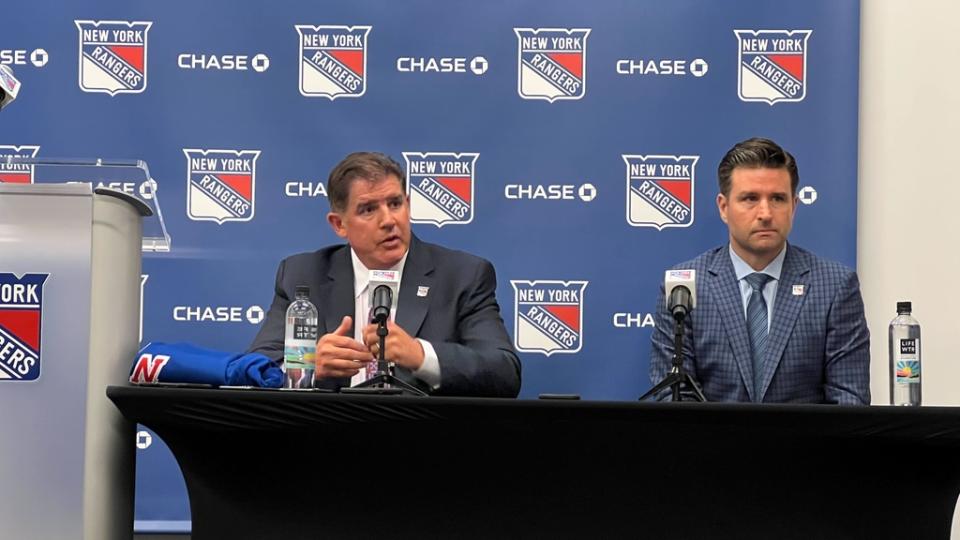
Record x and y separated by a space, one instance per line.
337 292
786 310
730 305
417 272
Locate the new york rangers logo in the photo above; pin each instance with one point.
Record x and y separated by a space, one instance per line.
552 63
333 60
21 312
113 56
221 184
773 65
660 190
9 82
548 316
440 185
13 172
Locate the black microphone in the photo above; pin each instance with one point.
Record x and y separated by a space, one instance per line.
382 301
679 286
679 301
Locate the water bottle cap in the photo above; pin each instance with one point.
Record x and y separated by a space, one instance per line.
303 290
904 307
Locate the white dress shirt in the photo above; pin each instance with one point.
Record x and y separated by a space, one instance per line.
429 371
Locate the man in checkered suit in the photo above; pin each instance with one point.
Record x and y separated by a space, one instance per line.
773 322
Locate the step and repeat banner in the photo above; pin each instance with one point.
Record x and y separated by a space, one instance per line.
574 144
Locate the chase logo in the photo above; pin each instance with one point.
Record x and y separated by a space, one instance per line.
304 188
660 190
440 185
225 314
21 310
773 65
548 316
221 184
333 60
113 56
552 63
146 189
20 57
13 172
223 62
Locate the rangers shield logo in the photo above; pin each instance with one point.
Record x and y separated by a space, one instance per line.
660 190
440 185
552 63
21 310
333 60
9 82
17 173
113 56
221 184
773 65
548 316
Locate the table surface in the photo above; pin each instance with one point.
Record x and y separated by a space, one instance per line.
552 467
271 410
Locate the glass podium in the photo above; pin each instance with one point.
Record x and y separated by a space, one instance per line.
131 177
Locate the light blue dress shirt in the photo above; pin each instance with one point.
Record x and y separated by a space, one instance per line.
742 270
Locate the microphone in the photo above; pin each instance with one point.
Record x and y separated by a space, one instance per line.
9 86
680 287
384 285
382 302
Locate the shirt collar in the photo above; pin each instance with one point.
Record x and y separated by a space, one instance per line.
742 269
361 274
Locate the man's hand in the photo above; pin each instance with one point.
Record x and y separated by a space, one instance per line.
339 355
402 349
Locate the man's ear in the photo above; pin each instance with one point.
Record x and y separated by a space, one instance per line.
722 206
336 223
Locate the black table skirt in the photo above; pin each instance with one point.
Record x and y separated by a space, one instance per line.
270 464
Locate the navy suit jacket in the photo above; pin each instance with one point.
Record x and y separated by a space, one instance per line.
459 315
818 350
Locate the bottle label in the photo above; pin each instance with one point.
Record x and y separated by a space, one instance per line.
304 331
908 363
300 354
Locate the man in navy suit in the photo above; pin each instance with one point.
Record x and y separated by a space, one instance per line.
447 338
773 322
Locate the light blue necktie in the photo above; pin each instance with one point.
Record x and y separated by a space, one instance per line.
757 325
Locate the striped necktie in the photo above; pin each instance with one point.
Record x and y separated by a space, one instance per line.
757 325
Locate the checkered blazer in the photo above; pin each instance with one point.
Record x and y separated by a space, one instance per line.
818 349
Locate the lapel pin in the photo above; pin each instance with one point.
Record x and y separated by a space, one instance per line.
798 290
422 291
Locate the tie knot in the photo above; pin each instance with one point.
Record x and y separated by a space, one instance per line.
757 280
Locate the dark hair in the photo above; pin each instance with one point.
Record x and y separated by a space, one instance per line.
756 153
371 166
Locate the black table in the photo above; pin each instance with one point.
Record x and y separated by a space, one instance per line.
270 464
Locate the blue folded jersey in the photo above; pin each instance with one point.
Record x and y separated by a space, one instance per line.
185 363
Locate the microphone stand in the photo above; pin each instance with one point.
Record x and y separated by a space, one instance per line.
677 377
385 379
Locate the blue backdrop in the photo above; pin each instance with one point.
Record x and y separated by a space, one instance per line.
586 134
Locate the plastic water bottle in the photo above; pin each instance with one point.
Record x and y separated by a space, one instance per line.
904 357
300 341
